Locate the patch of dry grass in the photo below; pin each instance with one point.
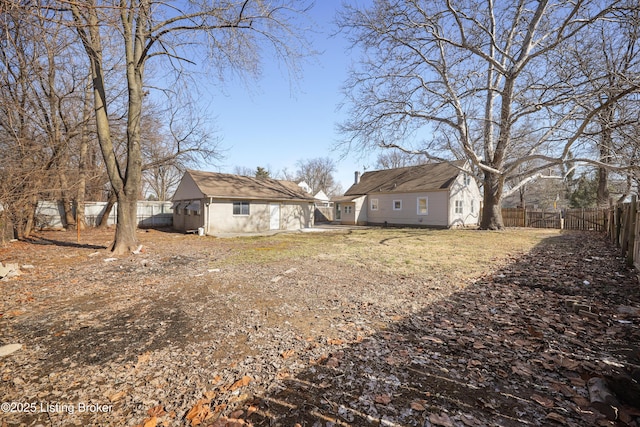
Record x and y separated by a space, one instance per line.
458 254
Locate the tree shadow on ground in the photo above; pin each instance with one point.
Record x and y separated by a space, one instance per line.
518 347
62 243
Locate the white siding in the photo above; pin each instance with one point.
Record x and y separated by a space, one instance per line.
470 197
361 210
293 216
408 215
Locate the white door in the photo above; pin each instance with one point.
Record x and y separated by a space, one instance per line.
274 218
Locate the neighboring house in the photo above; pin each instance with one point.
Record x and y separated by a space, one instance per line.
304 186
220 202
433 195
322 200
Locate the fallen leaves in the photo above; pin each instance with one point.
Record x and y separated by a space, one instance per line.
441 419
418 405
204 410
200 412
544 401
240 383
519 343
383 399
287 353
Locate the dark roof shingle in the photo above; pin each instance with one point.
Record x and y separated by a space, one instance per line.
214 184
427 177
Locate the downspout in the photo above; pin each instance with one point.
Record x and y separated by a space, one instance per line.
206 217
449 215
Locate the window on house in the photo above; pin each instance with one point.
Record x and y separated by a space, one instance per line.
423 206
473 207
241 208
467 179
459 206
347 209
374 204
397 205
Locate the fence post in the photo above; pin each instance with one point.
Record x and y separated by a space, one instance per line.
618 220
631 237
626 216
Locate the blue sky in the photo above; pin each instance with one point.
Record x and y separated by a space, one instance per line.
274 123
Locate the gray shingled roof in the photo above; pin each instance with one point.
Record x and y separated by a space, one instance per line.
213 184
428 177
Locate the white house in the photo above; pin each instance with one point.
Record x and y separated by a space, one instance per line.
433 195
220 202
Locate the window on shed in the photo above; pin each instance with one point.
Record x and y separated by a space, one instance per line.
397 205
423 206
459 206
193 208
178 208
241 208
374 204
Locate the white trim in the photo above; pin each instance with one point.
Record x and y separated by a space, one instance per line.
377 204
399 208
241 204
426 202
458 207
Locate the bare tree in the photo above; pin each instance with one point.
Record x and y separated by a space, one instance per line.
39 115
391 159
233 32
168 149
612 131
318 174
244 171
490 82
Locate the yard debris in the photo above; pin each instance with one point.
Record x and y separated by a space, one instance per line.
331 342
8 271
6 350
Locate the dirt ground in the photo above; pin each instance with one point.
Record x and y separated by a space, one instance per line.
340 328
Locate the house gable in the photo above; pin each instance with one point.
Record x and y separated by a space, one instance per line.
436 194
188 189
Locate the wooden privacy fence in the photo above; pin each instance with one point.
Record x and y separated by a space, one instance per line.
623 230
569 219
595 219
620 222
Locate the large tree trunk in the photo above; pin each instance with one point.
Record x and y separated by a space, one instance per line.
125 178
29 219
82 161
603 187
125 238
104 219
67 207
492 207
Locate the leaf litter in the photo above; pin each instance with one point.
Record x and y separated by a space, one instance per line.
165 342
